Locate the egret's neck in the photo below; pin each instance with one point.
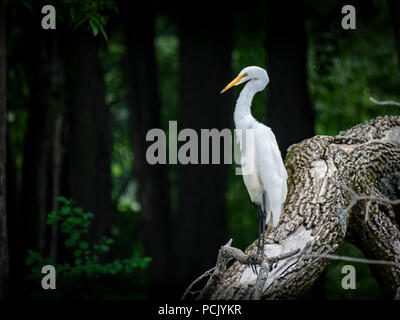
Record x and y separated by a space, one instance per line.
242 115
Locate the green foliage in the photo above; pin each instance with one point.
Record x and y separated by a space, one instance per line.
93 14
124 186
90 14
346 68
86 265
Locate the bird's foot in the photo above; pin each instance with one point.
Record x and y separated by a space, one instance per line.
253 261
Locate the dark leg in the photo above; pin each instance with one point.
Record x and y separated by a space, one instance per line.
264 219
254 258
260 241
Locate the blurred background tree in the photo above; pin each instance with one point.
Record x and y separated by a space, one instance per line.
82 98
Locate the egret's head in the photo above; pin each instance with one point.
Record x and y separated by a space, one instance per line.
258 76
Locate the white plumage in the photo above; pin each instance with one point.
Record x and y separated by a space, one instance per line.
269 176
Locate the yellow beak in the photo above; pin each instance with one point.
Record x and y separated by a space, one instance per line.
233 82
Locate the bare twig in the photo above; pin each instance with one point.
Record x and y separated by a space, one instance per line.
355 198
226 253
390 103
188 290
352 259
220 268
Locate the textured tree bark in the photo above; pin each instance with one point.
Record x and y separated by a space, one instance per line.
3 125
365 158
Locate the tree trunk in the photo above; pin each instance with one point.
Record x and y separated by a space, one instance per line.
289 111
88 147
144 103
365 158
14 223
44 110
3 143
205 65
394 10
54 163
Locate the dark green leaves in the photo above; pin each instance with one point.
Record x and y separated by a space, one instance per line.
92 14
86 261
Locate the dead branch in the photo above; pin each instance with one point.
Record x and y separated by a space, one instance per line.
389 103
353 259
226 253
355 198
321 212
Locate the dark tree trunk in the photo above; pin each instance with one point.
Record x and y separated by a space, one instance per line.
44 109
4 267
54 163
394 9
14 223
144 103
87 179
289 111
205 68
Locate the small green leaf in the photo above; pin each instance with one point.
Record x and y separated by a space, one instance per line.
63 200
70 243
77 253
109 240
79 23
83 245
72 13
65 210
103 33
94 24
89 214
29 261
75 235
78 210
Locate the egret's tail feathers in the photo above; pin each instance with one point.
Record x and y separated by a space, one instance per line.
276 215
268 217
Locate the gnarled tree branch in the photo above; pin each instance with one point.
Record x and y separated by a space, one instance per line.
319 214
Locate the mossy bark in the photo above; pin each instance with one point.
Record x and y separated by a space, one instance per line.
365 158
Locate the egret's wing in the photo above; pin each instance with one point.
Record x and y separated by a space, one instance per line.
271 170
244 148
237 148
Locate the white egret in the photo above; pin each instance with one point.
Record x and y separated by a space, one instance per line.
267 181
